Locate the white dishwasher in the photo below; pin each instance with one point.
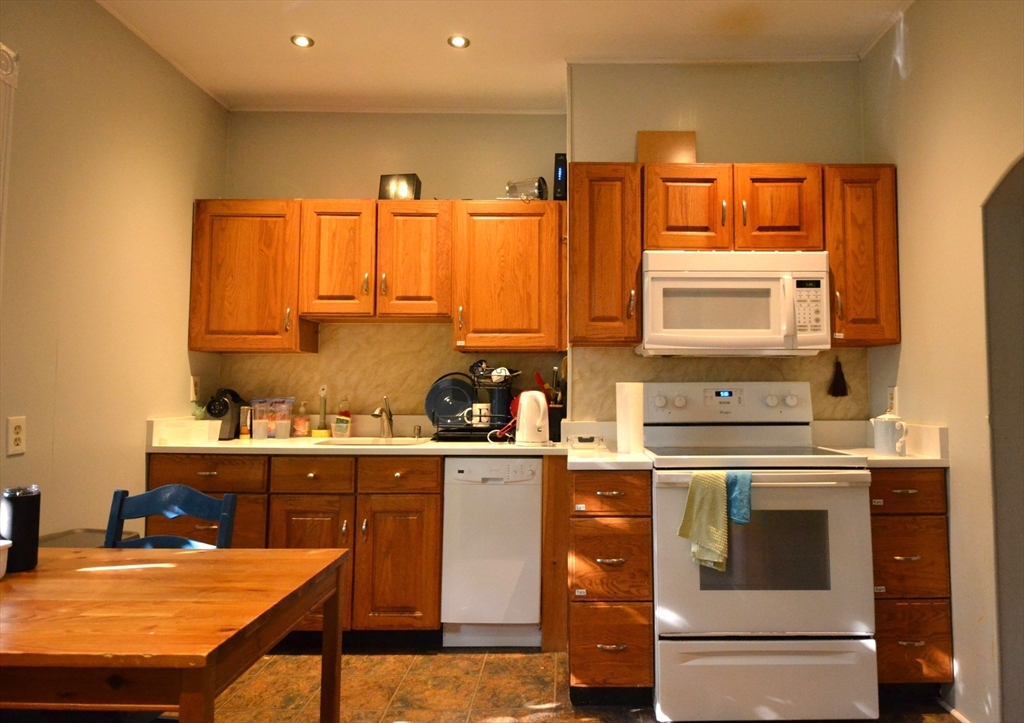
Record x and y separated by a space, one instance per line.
490 570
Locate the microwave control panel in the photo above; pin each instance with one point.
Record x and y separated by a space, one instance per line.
810 315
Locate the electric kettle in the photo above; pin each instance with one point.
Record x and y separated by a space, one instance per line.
890 434
532 419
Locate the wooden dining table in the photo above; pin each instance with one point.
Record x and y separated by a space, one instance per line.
159 630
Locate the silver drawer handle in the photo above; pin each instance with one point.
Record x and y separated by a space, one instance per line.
207 527
744 213
398 475
364 528
460 317
610 561
288 319
207 474
602 646
912 644
383 284
366 284
344 529
311 475
632 304
612 493
839 304
910 558
904 492
723 212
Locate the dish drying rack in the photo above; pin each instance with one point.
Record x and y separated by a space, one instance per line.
457 428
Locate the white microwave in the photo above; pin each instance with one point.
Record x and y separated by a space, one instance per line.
735 303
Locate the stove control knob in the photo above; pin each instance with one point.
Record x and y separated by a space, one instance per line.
772 401
791 401
679 401
660 401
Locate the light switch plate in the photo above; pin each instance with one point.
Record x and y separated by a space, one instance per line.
15 436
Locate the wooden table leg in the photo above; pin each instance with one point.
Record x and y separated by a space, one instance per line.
198 695
330 661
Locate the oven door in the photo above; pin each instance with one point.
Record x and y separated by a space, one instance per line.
720 310
802 566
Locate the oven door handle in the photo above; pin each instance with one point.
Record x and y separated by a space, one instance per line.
819 478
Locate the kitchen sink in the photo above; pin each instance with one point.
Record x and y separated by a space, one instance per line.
375 441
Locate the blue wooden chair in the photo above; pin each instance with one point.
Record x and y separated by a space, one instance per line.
170 501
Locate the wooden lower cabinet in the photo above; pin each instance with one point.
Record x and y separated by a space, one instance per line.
611 645
910 550
397 562
611 559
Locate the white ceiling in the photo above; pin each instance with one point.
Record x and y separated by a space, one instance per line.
392 55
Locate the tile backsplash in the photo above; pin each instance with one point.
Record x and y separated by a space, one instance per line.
594 372
366 361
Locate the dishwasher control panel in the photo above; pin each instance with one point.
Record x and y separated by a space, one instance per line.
492 470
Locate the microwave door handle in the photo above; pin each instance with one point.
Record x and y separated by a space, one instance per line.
788 306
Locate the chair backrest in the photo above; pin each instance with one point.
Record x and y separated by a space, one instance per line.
170 501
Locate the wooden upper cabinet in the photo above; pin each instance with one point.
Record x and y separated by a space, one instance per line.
604 248
338 256
778 206
245 296
414 258
507 275
860 236
688 206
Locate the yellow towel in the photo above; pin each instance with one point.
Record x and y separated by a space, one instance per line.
704 522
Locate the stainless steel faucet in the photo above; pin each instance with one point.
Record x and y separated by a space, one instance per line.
384 414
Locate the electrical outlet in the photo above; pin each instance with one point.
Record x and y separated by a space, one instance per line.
194 389
15 436
893 400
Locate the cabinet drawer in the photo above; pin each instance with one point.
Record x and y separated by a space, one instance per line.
611 645
399 474
313 474
914 639
209 472
610 559
250 524
908 492
911 556
617 494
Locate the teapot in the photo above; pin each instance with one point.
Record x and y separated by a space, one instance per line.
890 434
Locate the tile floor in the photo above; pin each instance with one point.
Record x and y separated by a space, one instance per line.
454 688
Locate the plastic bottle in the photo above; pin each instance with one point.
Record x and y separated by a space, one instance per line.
343 422
300 424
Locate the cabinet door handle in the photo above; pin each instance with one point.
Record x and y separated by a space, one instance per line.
839 305
603 646
207 474
611 493
311 475
616 561
460 317
632 304
723 212
398 475
383 284
364 528
288 319
906 558
744 213
905 492
206 527
344 529
366 284
912 643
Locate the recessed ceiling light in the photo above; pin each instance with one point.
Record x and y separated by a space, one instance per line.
303 41
458 41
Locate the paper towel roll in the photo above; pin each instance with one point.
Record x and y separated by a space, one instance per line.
629 417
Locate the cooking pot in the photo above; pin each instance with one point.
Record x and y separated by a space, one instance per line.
890 434
532 419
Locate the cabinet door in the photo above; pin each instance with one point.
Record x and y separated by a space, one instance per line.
245 292
860 236
604 240
315 521
414 258
507 275
688 206
778 206
397 563
337 274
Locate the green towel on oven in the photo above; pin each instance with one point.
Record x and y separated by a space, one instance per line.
705 522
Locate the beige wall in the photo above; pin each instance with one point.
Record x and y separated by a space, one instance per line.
949 112
785 112
110 146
